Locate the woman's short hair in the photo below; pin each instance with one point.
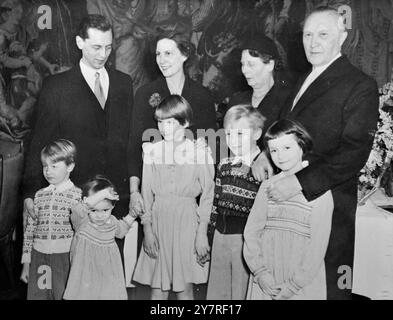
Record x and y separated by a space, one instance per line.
266 58
93 21
245 111
95 184
287 126
59 150
174 106
263 47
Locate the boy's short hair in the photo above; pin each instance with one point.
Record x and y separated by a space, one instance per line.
174 106
287 126
254 117
60 150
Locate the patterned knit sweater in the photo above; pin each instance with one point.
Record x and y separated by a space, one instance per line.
51 232
234 195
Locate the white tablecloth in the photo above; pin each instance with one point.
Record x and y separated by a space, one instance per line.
373 264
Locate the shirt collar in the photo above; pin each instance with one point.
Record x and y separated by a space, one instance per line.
89 71
248 158
320 69
65 185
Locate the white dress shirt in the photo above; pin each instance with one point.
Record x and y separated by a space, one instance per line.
61 187
315 73
89 74
248 158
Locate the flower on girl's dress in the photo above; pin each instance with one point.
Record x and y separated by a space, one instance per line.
155 100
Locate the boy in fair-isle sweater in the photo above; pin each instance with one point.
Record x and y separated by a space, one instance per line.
235 192
47 239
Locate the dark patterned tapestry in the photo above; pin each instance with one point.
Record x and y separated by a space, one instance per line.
30 52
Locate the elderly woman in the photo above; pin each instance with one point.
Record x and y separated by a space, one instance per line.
269 87
268 94
173 49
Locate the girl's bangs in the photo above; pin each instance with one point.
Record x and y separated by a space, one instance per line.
162 114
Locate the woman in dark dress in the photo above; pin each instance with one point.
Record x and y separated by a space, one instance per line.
270 87
172 51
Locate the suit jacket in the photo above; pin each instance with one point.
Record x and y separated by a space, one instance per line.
340 111
200 99
67 108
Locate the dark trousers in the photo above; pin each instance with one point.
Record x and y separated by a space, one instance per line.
340 252
48 275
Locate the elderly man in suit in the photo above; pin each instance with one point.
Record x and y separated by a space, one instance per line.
338 105
92 107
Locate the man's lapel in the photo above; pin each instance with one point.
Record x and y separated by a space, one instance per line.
88 98
112 89
320 85
289 102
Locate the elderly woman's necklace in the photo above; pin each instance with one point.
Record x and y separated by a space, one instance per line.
257 98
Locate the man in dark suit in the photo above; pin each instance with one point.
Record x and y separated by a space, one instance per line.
90 106
338 105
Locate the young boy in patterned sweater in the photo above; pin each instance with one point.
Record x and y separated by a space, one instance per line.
47 239
235 192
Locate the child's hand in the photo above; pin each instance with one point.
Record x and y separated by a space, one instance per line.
150 245
266 283
110 194
25 273
283 292
133 213
202 247
104 194
107 193
201 260
136 206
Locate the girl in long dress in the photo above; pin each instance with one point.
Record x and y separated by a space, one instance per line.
96 268
175 173
286 242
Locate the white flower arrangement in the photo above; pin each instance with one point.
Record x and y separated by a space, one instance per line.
382 150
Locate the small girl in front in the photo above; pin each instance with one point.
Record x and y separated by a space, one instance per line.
175 173
286 242
96 268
